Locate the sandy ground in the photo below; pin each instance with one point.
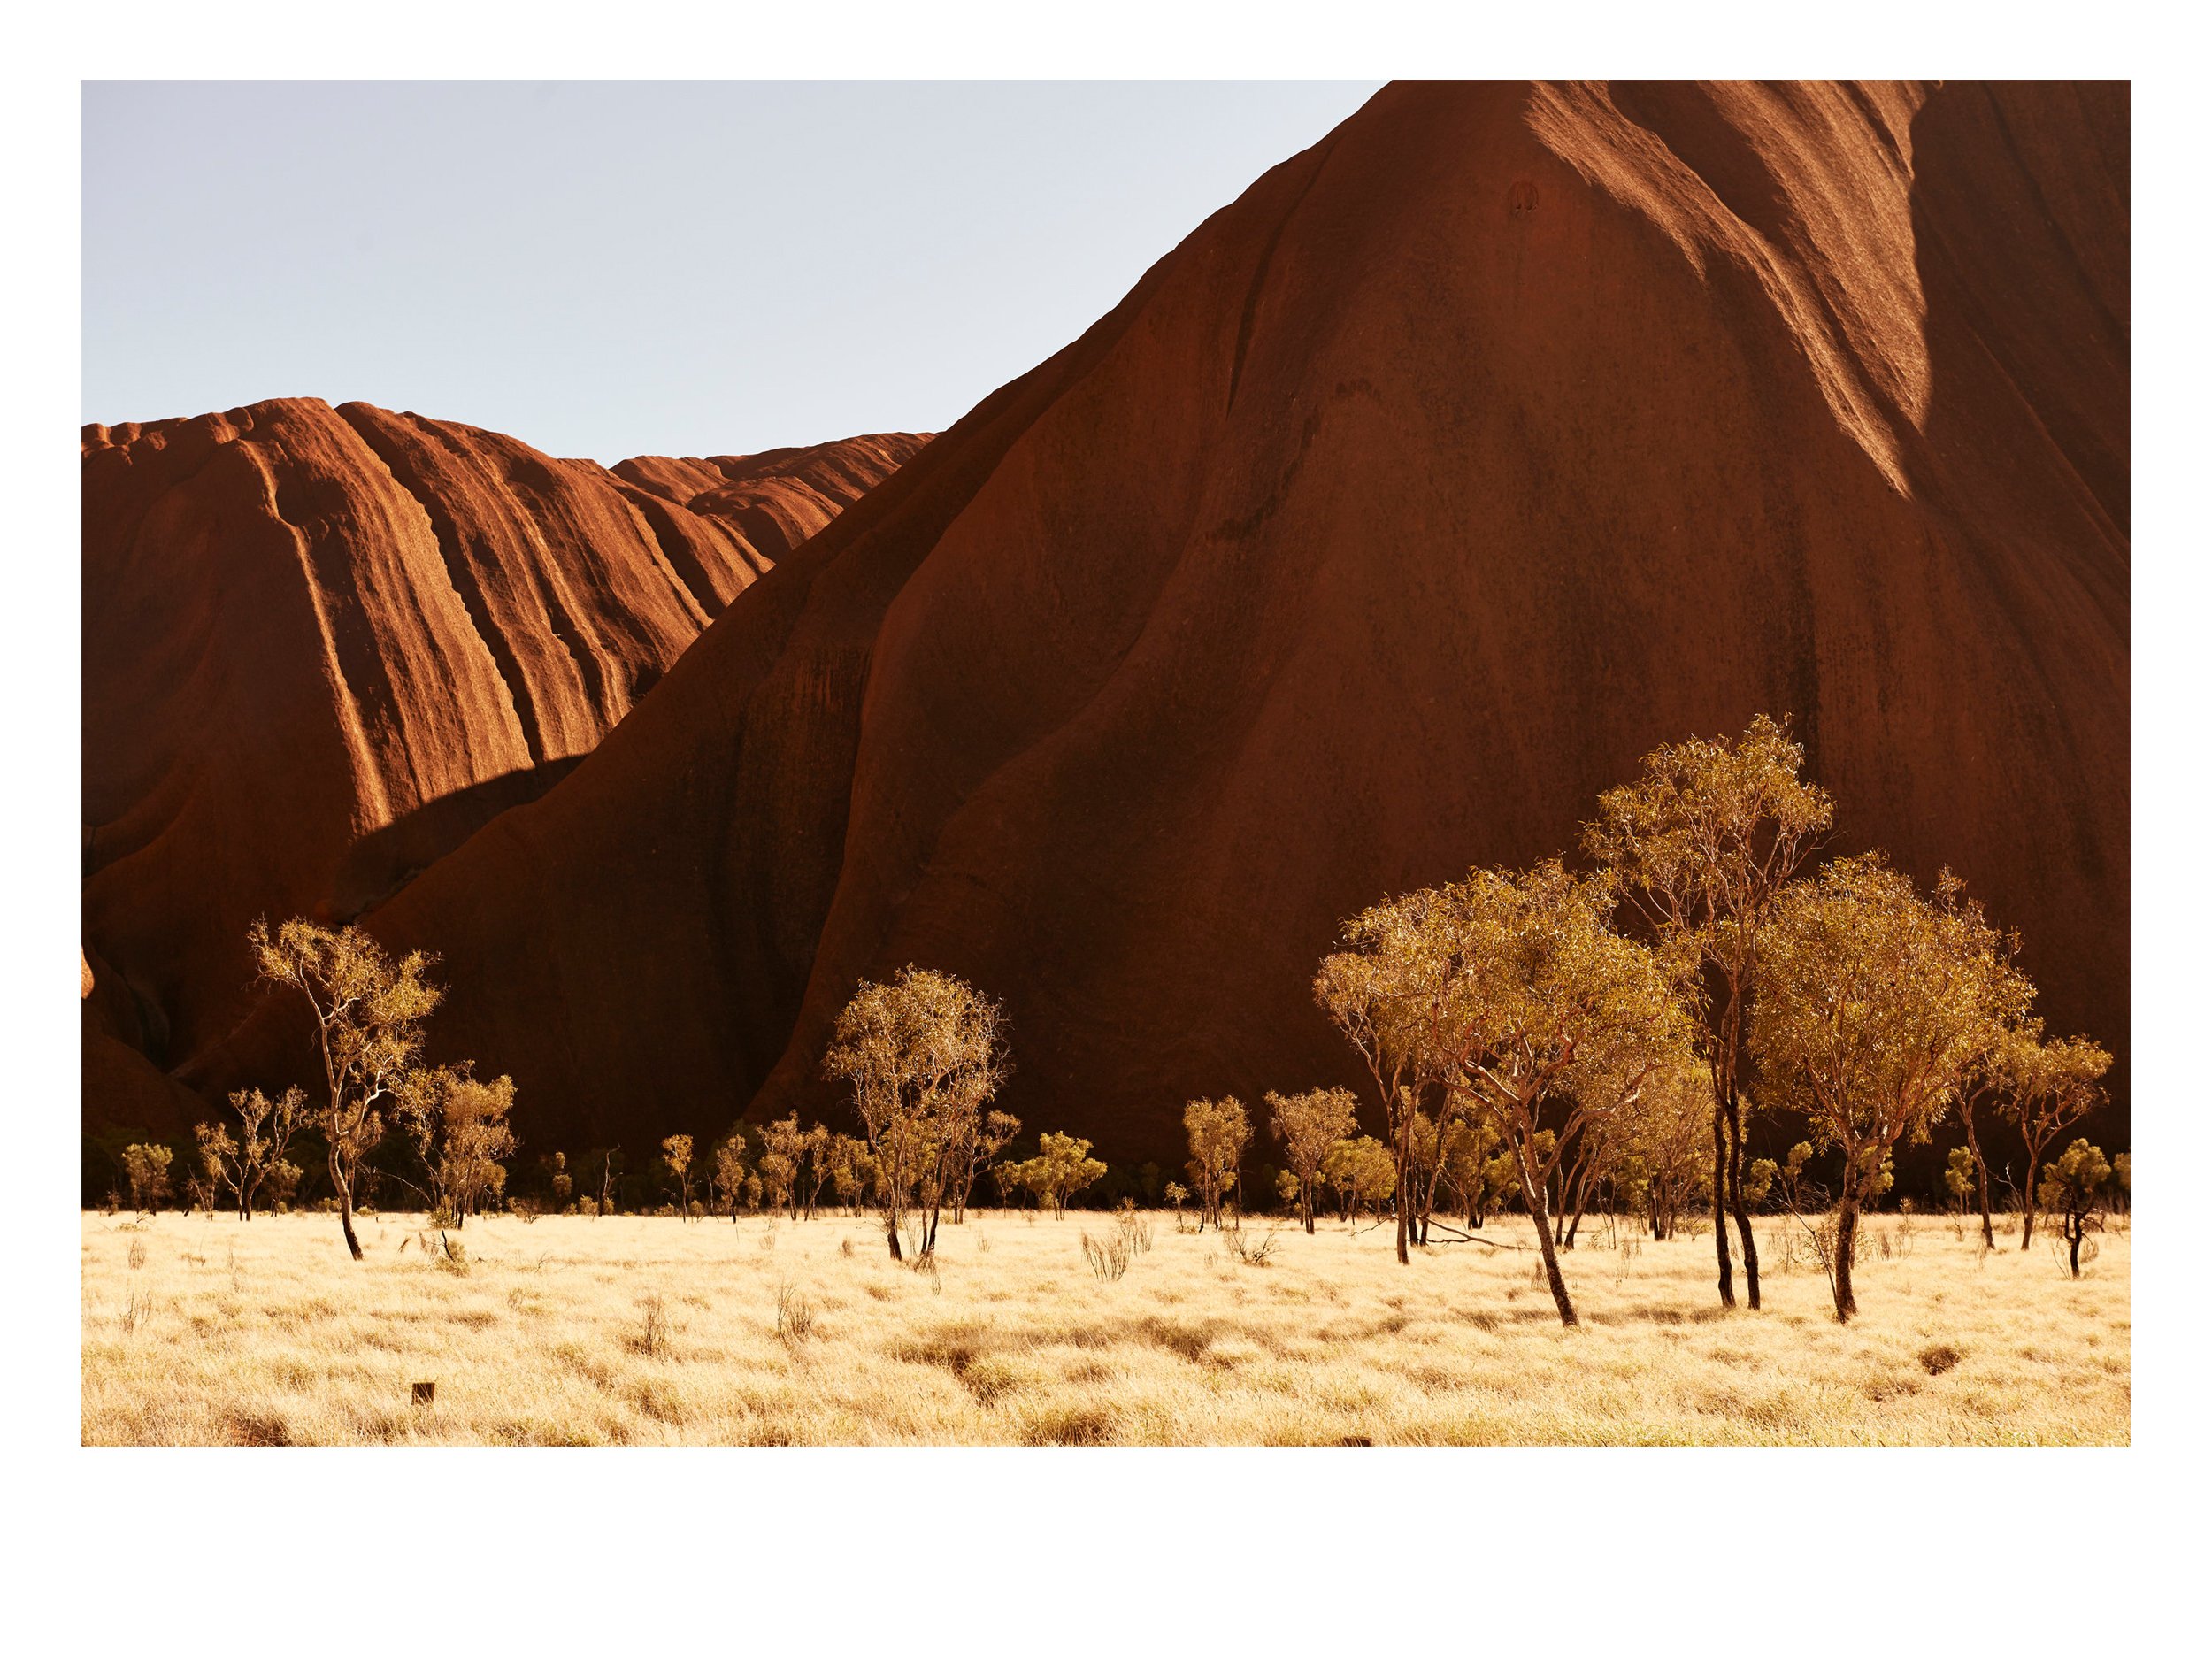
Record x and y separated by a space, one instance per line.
636 1330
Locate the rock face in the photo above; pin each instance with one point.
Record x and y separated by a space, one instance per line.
322 646
1510 431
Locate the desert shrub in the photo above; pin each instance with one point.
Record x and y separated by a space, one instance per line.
1251 1252
794 1316
652 1337
1136 1228
1938 1358
1109 1257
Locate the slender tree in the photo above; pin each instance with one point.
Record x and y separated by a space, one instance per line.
783 1150
1386 990
977 1144
1984 1076
2077 1188
1545 996
729 1172
851 1170
1308 1127
458 1125
2054 1085
1219 1131
264 1132
1873 1003
146 1167
1996 1063
369 1014
215 1149
676 1153
1467 1151
1360 1170
1703 844
610 1162
1669 1139
817 1146
1959 1171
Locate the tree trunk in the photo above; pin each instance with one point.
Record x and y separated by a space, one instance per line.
2027 1204
1981 1179
1535 1191
2074 1230
1736 1203
1846 1247
345 1204
1720 1212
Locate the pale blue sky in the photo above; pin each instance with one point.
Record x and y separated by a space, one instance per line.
615 268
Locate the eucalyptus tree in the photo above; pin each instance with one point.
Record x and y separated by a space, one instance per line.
2078 1189
2054 1085
922 1057
1218 1132
1554 1021
369 1014
264 1133
1386 991
1308 1126
462 1136
1704 845
1873 1004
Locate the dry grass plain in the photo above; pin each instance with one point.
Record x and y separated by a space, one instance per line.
212 1332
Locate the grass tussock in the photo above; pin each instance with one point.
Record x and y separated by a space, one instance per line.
633 1331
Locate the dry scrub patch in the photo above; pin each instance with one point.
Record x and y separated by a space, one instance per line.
632 1330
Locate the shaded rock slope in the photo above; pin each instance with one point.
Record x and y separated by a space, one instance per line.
1506 432
322 646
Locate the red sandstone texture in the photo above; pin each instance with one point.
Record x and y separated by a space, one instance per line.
1508 432
323 645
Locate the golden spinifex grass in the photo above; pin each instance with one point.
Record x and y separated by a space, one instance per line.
631 1330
